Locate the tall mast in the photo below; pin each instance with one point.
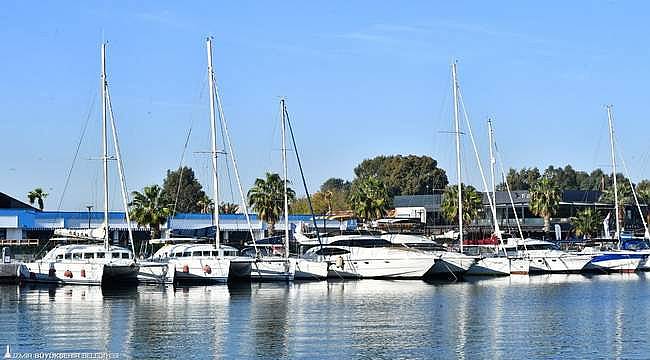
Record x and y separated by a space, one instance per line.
214 154
456 121
284 164
105 145
492 162
611 143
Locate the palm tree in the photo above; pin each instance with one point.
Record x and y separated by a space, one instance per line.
545 198
205 204
146 209
37 195
472 203
625 197
586 222
266 197
369 198
228 208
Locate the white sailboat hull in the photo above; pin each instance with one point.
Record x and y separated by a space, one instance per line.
79 273
452 263
490 266
189 270
272 269
310 269
624 262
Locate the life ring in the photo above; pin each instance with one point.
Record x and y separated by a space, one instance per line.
207 269
83 273
186 268
68 274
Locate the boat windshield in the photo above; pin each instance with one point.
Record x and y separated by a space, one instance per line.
530 247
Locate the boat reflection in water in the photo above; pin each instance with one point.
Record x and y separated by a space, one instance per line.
506 317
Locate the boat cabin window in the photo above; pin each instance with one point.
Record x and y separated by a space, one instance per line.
178 254
230 253
197 253
68 256
59 257
187 253
76 256
89 255
538 247
100 255
115 255
215 253
331 251
125 256
366 243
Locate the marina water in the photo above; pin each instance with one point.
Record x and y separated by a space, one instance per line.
545 316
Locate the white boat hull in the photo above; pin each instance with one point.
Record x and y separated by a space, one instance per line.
78 273
190 270
566 263
310 269
452 263
152 272
490 266
616 262
408 268
272 269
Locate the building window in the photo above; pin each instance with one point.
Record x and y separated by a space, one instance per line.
3 234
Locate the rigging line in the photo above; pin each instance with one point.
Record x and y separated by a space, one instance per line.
304 182
505 180
480 168
222 118
187 141
120 169
76 153
232 192
636 198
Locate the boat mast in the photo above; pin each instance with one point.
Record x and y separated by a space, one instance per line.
284 164
460 194
494 191
105 146
611 143
213 153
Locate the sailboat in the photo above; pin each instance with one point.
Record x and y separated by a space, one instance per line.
621 259
87 263
186 260
305 269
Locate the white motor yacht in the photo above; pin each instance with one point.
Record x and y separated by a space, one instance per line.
450 262
546 257
359 256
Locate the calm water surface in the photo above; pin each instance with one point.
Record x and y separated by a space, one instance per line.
554 316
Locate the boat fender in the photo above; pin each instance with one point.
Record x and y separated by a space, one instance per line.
52 272
340 262
186 268
68 273
83 273
207 269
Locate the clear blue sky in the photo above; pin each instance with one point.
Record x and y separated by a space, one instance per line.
361 79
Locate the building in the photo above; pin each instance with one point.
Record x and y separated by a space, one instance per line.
572 202
22 224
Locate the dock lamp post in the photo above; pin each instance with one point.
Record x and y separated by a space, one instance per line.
89 207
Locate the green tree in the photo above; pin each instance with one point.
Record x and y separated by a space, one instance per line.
189 194
336 184
369 198
267 198
37 195
545 198
472 203
404 175
520 180
147 210
228 208
586 222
